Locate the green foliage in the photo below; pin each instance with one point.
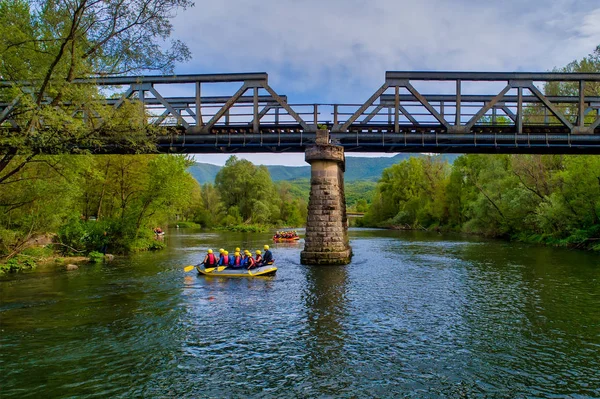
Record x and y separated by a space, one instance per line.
96 257
17 264
548 199
46 45
247 187
82 197
357 191
247 228
409 194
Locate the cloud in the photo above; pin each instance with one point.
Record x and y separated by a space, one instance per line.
339 50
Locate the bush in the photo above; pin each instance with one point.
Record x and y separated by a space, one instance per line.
17 264
79 236
247 228
96 257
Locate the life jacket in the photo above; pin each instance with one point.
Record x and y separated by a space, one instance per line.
212 260
237 261
251 261
258 258
224 261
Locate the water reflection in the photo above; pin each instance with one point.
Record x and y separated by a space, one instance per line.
325 303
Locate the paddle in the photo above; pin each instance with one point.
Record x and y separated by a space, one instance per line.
219 269
207 270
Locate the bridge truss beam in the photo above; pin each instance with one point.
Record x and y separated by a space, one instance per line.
467 112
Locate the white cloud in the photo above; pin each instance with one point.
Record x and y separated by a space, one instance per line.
338 50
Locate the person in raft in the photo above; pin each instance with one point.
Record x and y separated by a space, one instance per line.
268 257
224 259
237 261
249 261
258 259
221 251
210 260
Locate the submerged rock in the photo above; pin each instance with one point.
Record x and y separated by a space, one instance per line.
71 266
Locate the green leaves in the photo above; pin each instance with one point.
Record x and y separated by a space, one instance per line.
552 198
45 45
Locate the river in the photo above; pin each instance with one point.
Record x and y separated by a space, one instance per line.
414 315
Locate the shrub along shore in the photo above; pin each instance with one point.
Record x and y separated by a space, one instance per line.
549 199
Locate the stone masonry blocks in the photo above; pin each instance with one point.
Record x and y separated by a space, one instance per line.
326 241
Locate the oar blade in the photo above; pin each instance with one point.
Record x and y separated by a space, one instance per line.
188 268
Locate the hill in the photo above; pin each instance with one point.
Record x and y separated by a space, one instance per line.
204 172
357 169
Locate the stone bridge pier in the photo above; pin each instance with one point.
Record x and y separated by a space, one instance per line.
326 241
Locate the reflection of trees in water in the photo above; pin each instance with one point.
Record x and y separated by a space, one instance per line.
325 300
537 308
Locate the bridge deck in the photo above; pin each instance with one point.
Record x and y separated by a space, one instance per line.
467 112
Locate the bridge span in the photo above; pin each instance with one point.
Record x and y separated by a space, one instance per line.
457 112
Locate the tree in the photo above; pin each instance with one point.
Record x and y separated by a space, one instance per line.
248 187
45 45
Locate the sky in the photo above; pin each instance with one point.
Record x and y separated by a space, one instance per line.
326 51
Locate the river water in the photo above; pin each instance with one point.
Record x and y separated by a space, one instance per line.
414 315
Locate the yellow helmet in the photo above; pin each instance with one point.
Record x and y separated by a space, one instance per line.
266 247
225 253
221 250
246 252
258 251
237 249
210 251
237 253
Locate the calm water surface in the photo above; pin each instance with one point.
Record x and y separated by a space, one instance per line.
414 315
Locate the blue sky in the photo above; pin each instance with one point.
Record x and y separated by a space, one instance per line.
321 51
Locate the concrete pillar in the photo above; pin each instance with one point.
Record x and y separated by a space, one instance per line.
326 240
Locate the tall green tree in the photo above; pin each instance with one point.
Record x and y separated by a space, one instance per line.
45 45
248 187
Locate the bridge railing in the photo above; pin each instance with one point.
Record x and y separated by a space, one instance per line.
512 100
253 102
237 111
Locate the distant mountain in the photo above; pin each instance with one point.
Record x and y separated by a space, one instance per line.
204 172
279 172
357 168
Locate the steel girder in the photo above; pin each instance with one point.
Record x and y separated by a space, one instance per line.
467 112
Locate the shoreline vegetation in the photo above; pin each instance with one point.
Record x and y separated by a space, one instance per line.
541 199
89 205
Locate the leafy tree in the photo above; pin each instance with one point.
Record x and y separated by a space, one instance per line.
45 45
248 187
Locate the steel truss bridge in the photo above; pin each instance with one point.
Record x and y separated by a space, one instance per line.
459 112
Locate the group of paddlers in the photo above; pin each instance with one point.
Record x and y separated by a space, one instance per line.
237 261
285 234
